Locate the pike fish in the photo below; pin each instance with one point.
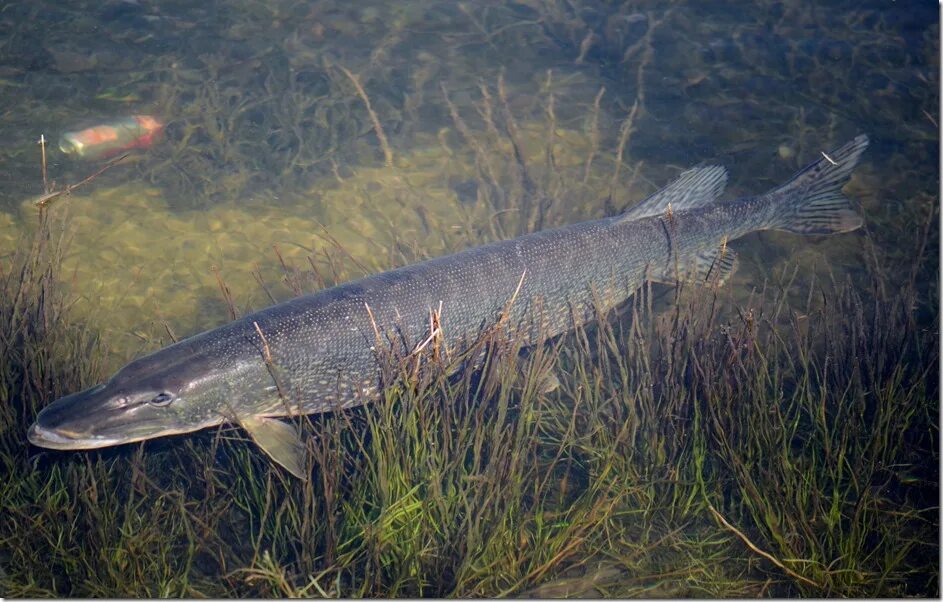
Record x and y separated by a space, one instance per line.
323 346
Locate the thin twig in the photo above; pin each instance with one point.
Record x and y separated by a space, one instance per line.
45 199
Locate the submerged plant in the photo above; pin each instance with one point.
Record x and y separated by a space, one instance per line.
698 444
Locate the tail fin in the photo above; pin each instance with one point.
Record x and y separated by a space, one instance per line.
812 203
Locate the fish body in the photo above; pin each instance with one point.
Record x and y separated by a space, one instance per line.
319 352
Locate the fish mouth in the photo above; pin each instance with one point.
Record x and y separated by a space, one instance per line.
107 415
71 422
66 440
62 439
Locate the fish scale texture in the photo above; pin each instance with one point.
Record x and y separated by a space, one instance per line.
324 345
323 349
327 350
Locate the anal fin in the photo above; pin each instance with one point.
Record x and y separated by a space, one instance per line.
715 267
279 440
709 268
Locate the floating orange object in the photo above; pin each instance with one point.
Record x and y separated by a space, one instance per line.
109 139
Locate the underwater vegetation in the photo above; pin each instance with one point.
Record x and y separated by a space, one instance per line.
776 450
778 436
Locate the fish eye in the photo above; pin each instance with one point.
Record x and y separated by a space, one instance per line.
161 399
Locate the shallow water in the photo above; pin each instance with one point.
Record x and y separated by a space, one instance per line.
266 138
269 143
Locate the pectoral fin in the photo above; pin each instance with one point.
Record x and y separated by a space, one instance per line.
279 440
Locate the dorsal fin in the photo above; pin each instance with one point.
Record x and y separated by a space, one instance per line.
693 188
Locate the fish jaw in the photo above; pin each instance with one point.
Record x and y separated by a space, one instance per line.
64 440
106 415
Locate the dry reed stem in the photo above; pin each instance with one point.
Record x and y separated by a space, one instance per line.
505 314
260 280
593 134
648 52
170 332
227 294
42 145
481 154
512 130
551 128
435 325
330 238
266 352
762 553
322 284
487 111
585 45
510 126
930 117
292 282
373 322
387 151
626 131
435 330
624 135
270 364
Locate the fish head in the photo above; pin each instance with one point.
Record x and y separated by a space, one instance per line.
156 396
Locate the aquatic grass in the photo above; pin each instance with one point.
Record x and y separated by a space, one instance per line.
448 493
476 481
480 482
41 352
94 530
804 415
807 465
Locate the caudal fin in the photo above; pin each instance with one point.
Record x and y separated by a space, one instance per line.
812 203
